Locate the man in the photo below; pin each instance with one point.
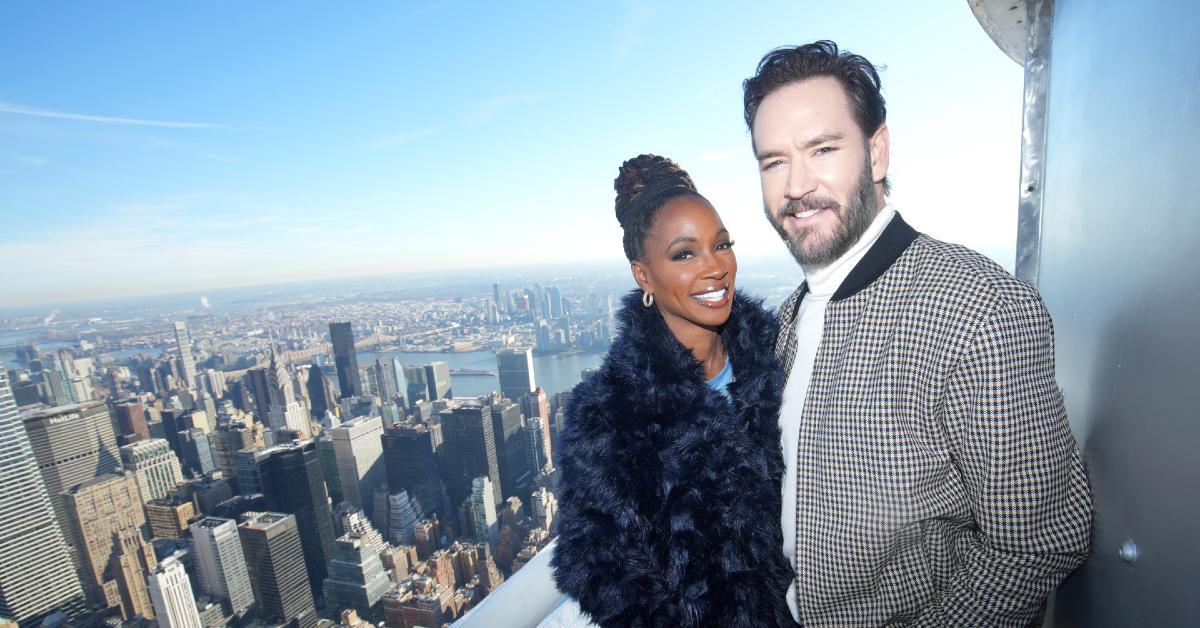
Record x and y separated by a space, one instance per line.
932 478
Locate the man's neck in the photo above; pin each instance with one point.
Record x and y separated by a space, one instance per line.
823 281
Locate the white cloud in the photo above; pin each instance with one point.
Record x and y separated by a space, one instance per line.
404 138
7 107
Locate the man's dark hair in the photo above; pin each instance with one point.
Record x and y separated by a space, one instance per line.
791 64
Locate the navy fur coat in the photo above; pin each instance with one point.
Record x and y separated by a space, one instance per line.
670 494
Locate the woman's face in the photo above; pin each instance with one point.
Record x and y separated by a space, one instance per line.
688 265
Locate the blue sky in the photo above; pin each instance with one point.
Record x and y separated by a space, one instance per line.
167 147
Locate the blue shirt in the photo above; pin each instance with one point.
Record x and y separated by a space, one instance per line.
720 383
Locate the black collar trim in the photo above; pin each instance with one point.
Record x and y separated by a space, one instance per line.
892 243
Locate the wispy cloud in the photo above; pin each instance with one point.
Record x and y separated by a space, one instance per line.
175 146
636 17
29 160
7 107
722 155
489 109
404 138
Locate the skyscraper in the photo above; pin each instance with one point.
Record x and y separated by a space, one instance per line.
154 466
292 482
418 388
271 543
345 358
483 508
515 367
437 377
358 449
411 465
470 450
357 578
106 522
536 404
171 595
72 444
256 380
36 574
510 447
499 297
131 418
197 452
221 565
226 441
283 411
319 394
183 341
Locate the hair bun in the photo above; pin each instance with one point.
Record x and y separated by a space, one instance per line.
641 172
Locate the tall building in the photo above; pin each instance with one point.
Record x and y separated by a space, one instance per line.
536 452
154 466
226 441
483 509
320 394
72 444
283 411
106 522
411 465
437 378
418 388
256 380
221 565
36 573
197 452
131 419
470 442
358 450
183 342
510 447
536 404
544 507
293 482
171 595
403 514
515 368
168 516
499 297
357 579
271 543
345 358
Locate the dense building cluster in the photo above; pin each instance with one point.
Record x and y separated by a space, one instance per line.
286 484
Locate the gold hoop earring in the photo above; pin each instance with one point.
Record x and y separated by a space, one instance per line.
647 299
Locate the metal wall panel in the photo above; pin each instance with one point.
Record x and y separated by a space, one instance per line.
1120 273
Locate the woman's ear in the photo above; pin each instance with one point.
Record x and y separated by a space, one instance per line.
641 277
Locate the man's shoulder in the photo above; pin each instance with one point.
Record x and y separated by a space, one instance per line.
960 273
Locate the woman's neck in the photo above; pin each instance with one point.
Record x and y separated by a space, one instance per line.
706 346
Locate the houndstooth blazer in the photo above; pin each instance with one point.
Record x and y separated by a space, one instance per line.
938 479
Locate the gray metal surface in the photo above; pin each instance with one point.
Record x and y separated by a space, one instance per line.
1038 23
1004 22
1120 273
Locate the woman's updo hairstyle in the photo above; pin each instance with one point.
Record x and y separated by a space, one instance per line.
644 184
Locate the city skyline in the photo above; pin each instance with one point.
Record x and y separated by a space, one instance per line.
275 148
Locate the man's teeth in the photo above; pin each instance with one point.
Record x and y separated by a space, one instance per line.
806 213
712 296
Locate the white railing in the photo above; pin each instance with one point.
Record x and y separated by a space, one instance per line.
524 600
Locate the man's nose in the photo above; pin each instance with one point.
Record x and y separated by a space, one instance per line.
799 182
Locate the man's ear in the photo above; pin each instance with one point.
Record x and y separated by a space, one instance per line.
880 146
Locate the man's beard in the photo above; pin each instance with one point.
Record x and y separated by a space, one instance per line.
862 209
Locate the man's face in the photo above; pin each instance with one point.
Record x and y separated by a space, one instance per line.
822 181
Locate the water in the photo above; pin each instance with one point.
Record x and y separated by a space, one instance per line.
554 373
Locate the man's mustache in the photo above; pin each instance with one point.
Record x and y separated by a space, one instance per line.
808 202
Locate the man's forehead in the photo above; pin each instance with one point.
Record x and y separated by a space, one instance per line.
816 106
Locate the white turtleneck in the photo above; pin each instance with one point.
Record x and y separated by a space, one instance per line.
822 282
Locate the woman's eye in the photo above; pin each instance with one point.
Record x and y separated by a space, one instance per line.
681 255
725 246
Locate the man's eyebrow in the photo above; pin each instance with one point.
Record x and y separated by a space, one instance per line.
816 141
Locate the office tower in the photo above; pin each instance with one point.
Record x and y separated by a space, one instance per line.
200 417
499 298
226 441
470 450
197 452
256 380
404 512
183 342
154 466
411 465
26 393
72 444
283 411
358 449
36 573
536 404
399 374
553 301
483 509
174 421
171 595
293 483
106 521
510 447
168 516
354 407
357 578
207 492
391 413
345 357
214 383
515 368
418 388
320 394
437 378
329 468
534 449
545 509
271 544
221 565
131 419
348 519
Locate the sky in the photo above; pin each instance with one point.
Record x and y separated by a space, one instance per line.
150 147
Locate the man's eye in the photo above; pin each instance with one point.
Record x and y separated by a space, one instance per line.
681 255
770 165
825 150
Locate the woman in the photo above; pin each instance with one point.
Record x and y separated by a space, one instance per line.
671 465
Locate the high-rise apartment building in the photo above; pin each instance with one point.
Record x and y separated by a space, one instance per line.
358 450
411 465
154 466
36 573
515 368
357 579
171 595
345 358
293 482
470 442
271 544
106 522
183 342
437 378
221 564
72 444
